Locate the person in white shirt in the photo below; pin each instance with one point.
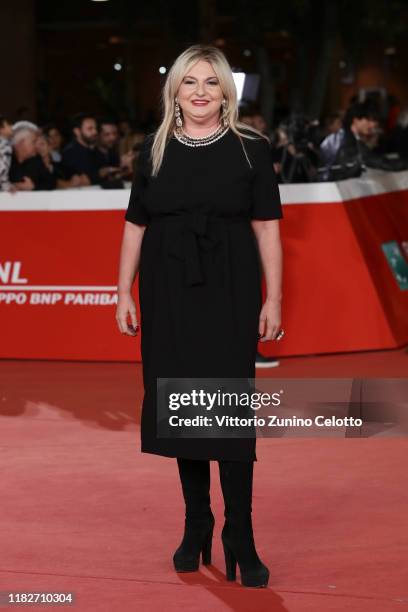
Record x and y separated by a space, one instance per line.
6 132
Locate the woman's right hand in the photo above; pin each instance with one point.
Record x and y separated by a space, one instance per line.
126 306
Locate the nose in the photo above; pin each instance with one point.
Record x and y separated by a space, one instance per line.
200 89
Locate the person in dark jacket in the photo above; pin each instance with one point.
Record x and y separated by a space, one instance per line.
81 156
121 166
346 154
28 171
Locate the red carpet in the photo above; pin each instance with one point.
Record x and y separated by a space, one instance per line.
83 510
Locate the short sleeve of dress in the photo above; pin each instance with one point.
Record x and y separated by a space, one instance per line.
136 212
266 201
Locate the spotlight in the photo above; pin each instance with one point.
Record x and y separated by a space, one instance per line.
246 84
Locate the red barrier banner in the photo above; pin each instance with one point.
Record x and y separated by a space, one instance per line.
345 257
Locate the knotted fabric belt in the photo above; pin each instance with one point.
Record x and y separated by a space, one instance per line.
200 231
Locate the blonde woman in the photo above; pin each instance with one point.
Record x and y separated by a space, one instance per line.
202 221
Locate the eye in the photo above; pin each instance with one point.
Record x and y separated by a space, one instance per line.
191 82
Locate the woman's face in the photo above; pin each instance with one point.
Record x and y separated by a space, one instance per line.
54 138
200 84
41 145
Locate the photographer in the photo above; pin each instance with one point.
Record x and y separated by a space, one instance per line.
295 156
347 154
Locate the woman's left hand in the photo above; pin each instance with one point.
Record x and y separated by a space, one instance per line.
269 320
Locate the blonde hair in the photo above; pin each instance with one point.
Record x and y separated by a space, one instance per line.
180 67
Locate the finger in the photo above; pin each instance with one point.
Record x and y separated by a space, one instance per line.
131 328
269 331
121 327
133 318
261 326
276 331
264 330
124 328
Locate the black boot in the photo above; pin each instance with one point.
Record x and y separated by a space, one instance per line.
237 536
199 520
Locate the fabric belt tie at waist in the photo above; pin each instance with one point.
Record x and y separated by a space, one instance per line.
200 231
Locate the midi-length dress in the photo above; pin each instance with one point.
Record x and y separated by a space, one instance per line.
200 290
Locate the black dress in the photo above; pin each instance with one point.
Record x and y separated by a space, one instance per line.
200 275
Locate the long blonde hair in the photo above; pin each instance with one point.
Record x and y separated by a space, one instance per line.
180 67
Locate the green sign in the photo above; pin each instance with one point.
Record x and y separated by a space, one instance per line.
397 262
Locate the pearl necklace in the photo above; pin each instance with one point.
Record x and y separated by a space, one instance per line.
202 141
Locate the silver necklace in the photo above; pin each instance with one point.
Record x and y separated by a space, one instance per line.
202 141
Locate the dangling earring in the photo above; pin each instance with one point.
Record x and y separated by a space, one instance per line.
224 113
179 121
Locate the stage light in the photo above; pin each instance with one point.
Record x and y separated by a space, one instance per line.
117 66
247 85
162 69
239 78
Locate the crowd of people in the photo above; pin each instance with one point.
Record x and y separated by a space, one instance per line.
342 146
103 151
100 152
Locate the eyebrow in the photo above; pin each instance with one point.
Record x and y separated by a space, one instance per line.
187 76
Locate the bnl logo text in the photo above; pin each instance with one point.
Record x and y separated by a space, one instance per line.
10 273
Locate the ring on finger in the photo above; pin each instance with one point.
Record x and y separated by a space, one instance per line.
280 335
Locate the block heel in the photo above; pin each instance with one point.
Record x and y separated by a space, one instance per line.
206 550
197 541
230 562
237 534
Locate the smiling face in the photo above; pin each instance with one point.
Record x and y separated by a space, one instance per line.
200 95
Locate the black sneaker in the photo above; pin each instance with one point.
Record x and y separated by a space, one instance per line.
266 362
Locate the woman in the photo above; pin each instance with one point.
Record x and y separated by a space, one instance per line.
55 141
53 168
201 203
